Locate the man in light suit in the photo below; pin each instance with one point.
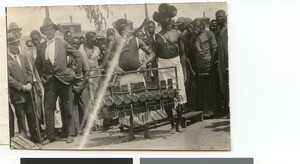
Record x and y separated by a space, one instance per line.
19 83
51 63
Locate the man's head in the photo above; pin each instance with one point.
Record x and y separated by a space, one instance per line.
165 21
165 14
68 36
110 35
35 37
13 43
180 23
139 34
150 27
121 26
221 17
75 42
198 26
188 25
48 28
90 36
213 26
14 29
82 39
29 43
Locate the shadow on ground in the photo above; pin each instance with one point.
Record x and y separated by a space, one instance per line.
219 126
119 138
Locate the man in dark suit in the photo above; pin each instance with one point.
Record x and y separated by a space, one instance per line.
19 83
51 63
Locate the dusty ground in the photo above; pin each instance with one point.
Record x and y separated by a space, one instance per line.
211 134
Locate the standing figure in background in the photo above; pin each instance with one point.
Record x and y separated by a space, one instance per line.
80 85
68 36
20 85
110 38
191 68
169 49
82 40
37 87
149 32
213 26
92 54
222 40
204 48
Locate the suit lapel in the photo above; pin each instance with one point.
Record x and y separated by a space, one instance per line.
57 47
14 63
23 62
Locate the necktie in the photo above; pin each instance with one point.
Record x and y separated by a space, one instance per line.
17 60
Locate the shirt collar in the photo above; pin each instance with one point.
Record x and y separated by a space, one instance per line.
51 40
12 55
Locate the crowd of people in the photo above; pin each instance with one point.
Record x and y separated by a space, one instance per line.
54 73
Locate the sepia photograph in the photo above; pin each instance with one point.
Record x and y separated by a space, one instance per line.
119 77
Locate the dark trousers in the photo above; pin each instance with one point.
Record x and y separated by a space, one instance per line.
57 89
11 122
81 103
26 110
202 84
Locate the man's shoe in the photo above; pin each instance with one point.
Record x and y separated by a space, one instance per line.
70 139
52 139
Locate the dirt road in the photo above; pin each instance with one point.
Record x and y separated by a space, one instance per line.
213 134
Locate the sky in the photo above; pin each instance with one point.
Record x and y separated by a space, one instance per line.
32 17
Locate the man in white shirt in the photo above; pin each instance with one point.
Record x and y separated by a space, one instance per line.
51 63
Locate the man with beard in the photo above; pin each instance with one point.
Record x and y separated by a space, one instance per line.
222 41
129 61
169 49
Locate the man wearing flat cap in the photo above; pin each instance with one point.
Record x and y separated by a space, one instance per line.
19 83
51 63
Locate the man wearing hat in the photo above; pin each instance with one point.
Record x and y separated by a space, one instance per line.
14 29
51 63
19 83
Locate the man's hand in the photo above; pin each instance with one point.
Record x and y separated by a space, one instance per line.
77 91
119 70
27 87
142 68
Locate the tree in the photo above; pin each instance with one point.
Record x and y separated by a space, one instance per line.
95 13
